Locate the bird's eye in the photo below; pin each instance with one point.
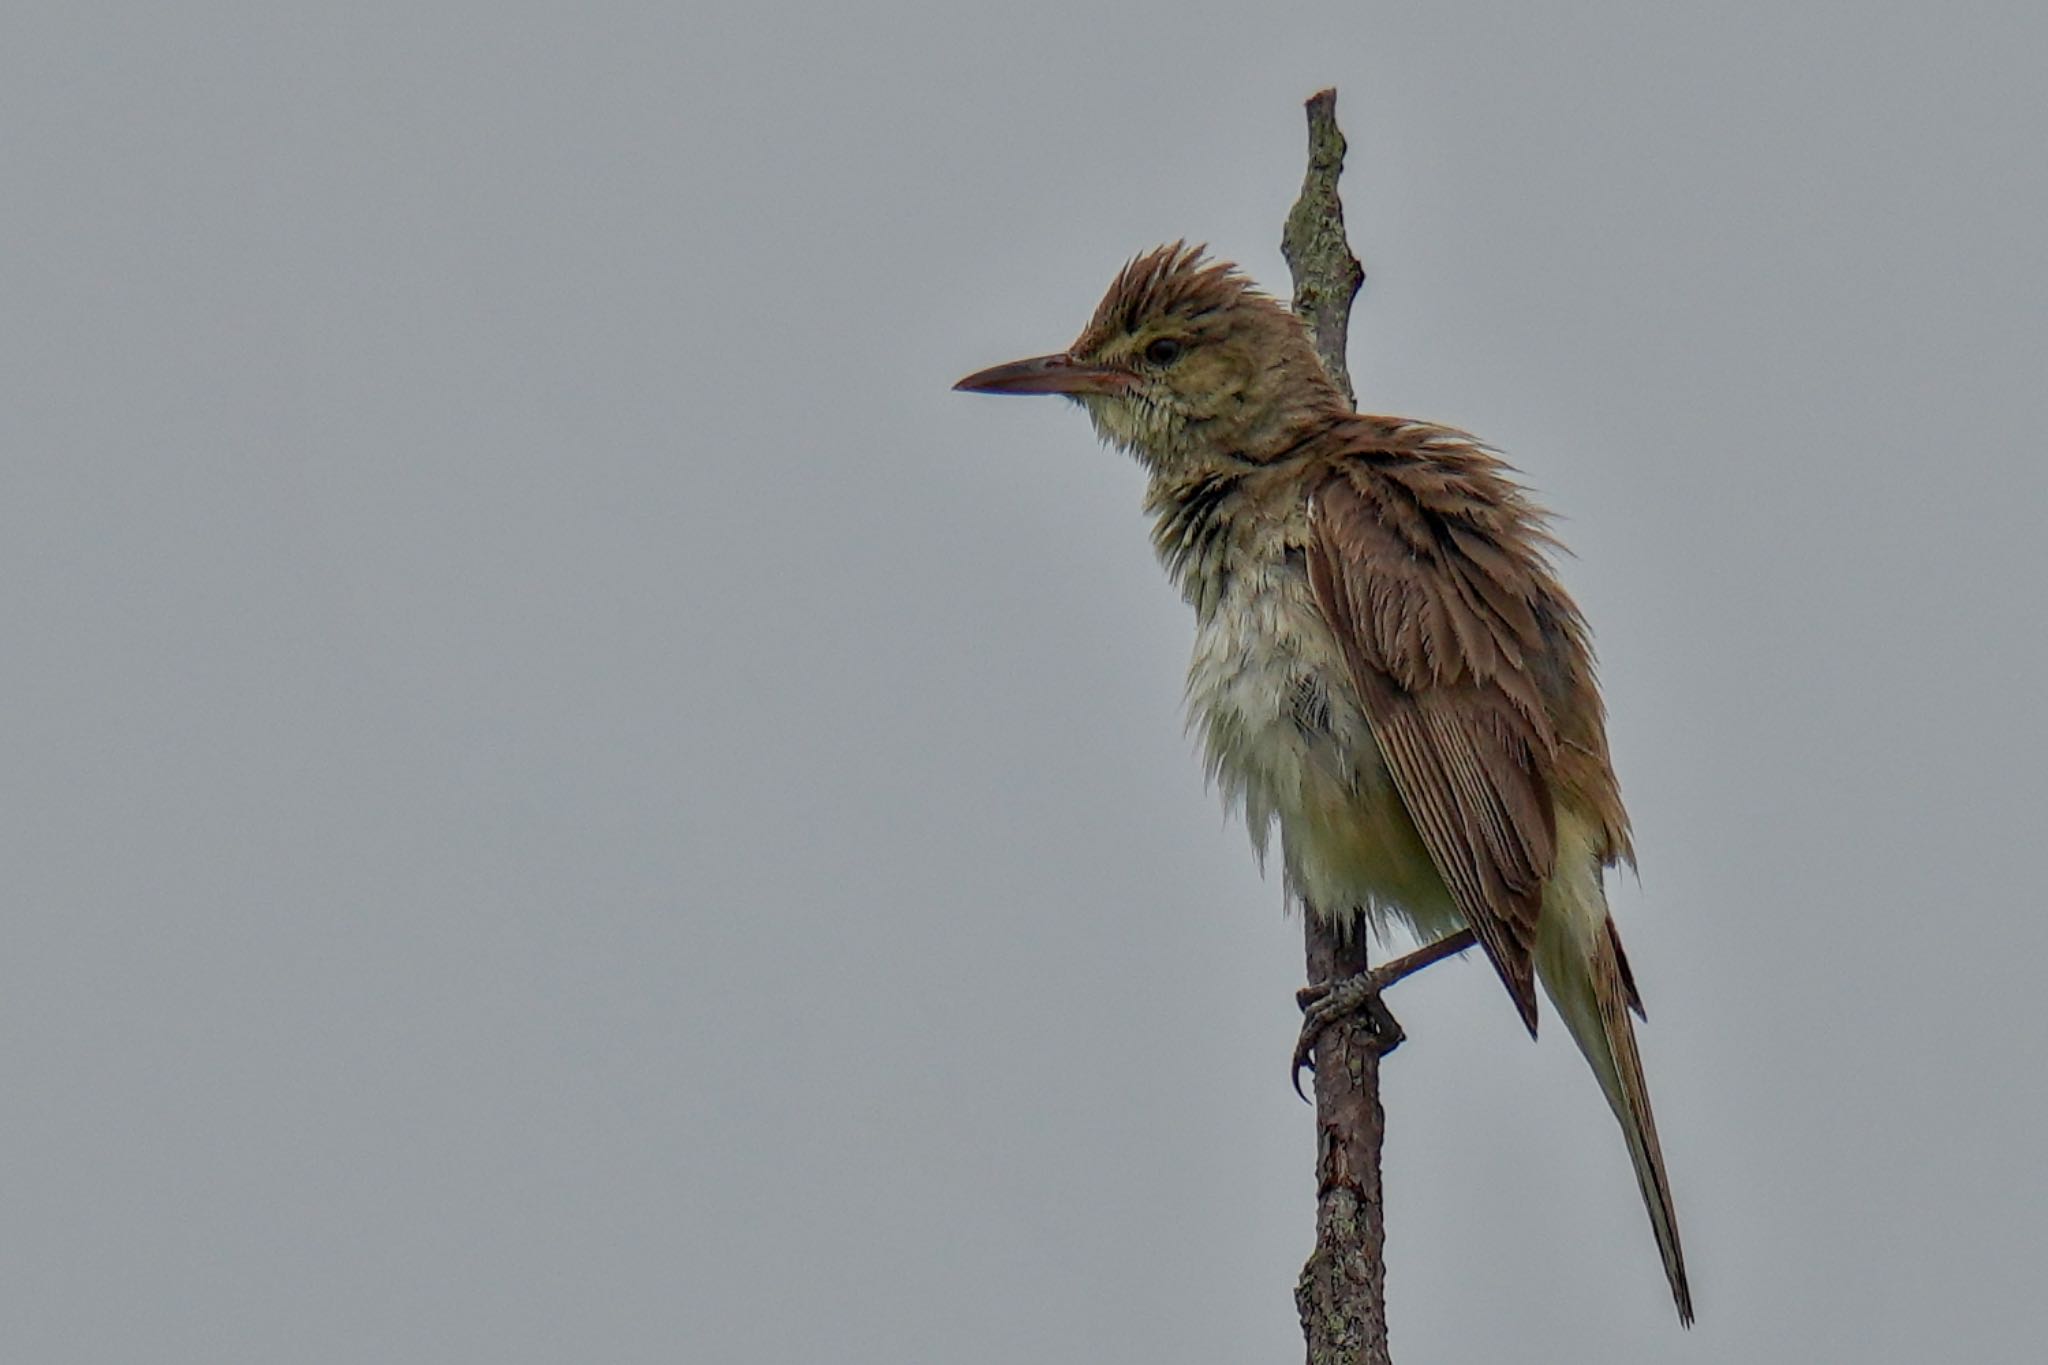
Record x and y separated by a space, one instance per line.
1164 351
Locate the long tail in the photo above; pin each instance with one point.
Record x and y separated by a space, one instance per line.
1587 978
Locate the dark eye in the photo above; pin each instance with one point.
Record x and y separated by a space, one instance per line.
1164 351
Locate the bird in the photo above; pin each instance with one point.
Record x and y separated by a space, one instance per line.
1386 669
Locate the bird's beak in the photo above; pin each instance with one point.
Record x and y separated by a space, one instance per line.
1048 374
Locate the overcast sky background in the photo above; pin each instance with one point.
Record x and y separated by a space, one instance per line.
565 800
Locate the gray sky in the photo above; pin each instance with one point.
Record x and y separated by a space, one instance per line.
565 800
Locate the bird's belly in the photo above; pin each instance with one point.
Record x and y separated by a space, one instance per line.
1358 855
1286 740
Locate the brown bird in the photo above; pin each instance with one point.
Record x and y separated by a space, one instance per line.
1385 668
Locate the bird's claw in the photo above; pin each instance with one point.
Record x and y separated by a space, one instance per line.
1330 1002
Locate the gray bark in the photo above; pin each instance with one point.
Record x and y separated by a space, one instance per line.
1342 1293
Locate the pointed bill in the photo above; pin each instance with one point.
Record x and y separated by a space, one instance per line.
1060 373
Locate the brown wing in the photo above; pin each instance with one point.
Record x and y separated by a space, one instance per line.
1429 574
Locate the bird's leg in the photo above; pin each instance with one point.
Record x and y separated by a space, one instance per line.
1326 1002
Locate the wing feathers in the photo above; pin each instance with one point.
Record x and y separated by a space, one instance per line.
1438 603
1474 672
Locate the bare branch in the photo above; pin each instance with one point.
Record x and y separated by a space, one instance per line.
1342 1293
1326 274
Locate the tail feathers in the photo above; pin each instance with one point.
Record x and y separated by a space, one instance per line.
1589 982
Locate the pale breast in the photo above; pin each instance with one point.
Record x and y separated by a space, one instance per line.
1286 741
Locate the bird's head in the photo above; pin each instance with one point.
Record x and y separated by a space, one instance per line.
1183 364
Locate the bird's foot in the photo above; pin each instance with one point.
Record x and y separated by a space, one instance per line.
1330 1002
